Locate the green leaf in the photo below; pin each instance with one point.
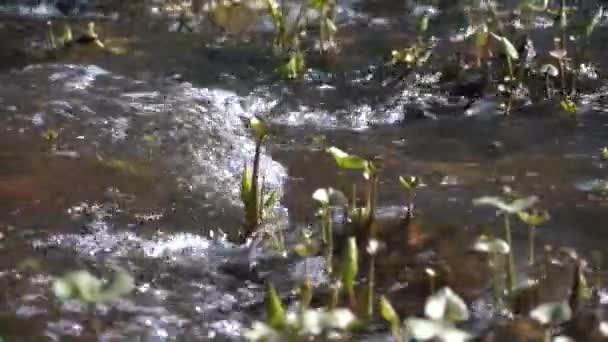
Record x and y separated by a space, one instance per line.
274 308
549 69
294 67
558 54
122 284
340 319
87 288
50 135
317 4
409 183
261 332
500 204
347 161
553 313
259 128
426 329
350 265
445 305
321 196
605 153
533 217
423 24
246 186
568 105
507 46
271 200
491 245
331 26
481 36
305 293
389 314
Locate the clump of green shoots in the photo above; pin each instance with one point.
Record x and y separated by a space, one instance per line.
303 324
533 219
89 290
506 210
286 40
327 25
417 54
253 192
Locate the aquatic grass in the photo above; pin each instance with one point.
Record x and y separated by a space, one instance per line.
253 193
507 209
327 25
350 269
286 41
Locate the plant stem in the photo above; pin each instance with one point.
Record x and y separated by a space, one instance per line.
547 86
495 282
531 232
328 240
371 205
510 262
370 286
510 68
547 335
253 215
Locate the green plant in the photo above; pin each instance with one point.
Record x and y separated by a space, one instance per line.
90 290
549 71
286 40
322 196
533 219
327 26
409 185
350 268
253 194
372 248
442 311
389 314
507 209
495 248
580 293
361 217
550 315
51 36
50 135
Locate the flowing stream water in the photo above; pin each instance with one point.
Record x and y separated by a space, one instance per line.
145 168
